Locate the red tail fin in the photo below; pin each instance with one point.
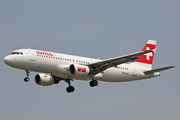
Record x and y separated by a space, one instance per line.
147 59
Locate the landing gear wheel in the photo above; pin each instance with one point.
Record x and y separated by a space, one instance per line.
26 79
70 89
93 83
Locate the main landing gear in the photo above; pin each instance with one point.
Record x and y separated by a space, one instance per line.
26 79
70 88
93 83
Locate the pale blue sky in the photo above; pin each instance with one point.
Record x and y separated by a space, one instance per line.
98 29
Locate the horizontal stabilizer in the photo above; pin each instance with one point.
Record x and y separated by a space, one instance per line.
158 70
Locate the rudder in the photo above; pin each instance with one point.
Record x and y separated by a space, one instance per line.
146 60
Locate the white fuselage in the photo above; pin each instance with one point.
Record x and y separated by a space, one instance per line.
48 62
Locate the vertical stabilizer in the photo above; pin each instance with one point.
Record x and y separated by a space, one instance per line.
146 60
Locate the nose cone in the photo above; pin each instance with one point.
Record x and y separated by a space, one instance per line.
7 60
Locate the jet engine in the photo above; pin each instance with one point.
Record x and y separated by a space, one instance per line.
45 80
80 70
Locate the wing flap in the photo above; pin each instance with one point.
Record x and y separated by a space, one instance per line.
129 57
98 67
158 70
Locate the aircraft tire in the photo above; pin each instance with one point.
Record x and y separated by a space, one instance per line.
93 83
26 79
70 89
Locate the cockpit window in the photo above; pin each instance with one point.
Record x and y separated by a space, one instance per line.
13 53
17 53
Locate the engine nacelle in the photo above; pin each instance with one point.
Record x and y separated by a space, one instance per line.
80 70
44 79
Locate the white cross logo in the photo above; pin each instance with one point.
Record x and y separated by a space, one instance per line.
148 54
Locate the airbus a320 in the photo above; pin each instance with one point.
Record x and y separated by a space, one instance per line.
56 67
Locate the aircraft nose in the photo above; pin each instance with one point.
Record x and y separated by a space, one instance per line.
7 60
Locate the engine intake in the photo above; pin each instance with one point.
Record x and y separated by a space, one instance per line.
75 69
45 80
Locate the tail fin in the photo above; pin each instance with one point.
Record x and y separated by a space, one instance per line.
146 60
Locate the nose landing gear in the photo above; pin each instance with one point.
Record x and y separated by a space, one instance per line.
26 79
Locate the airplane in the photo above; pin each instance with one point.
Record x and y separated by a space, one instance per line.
56 67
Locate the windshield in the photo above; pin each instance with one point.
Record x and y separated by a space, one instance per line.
18 53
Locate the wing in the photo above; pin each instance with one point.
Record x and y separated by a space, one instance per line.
98 67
